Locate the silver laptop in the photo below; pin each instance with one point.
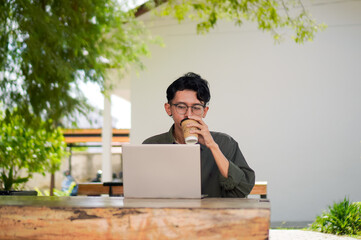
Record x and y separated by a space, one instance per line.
161 171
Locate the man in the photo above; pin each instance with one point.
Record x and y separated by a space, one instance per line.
225 172
69 185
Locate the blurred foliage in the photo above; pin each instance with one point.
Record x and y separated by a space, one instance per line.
48 46
57 192
275 16
27 148
80 149
343 218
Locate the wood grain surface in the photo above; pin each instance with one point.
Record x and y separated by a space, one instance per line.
162 221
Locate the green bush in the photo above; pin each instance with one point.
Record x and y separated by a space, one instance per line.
26 148
343 218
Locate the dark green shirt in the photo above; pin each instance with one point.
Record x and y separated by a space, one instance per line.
241 177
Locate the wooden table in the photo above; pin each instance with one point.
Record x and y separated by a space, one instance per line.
118 218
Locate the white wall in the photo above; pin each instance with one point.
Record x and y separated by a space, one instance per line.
294 109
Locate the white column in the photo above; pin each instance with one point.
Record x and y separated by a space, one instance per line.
107 141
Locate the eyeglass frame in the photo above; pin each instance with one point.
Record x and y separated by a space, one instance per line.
197 104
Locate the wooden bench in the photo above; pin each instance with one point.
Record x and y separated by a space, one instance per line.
114 189
98 188
260 188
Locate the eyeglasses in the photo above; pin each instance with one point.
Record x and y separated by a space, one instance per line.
182 108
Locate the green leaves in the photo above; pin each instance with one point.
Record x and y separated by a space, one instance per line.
46 47
275 16
27 147
343 218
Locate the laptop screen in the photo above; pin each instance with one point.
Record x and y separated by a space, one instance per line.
161 171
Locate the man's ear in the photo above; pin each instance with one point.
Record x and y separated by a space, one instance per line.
167 107
205 111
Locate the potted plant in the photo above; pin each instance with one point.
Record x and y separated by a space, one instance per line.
27 147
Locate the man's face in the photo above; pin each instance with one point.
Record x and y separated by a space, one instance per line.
185 98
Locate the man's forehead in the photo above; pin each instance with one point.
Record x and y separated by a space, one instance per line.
186 94
188 97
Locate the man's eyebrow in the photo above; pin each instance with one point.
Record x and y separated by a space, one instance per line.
187 105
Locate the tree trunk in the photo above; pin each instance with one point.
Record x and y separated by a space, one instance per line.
52 184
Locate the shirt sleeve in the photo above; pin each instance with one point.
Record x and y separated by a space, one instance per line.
241 177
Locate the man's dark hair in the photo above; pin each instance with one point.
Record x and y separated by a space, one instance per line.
190 81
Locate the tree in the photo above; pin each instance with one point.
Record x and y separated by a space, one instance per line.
26 149
274 16
47 46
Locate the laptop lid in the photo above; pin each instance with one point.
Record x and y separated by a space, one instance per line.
161 171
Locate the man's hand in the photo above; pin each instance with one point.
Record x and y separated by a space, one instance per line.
204 136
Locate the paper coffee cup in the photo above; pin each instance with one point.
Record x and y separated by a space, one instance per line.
188 137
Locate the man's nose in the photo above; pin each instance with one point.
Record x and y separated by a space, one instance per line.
188 112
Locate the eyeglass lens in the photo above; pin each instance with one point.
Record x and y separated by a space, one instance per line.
183 108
